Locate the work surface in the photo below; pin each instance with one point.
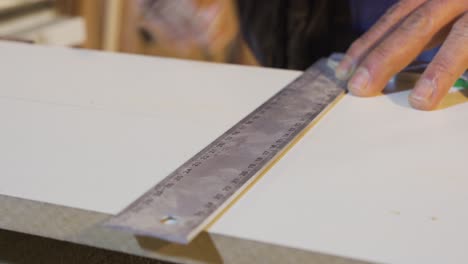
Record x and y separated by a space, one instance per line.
83 134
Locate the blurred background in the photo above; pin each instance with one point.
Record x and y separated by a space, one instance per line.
274 33
200 30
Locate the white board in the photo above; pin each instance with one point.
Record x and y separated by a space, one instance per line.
96 130
374 180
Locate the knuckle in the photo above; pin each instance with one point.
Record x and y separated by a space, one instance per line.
441 66
388 17
381 27
460 28
418 22
393 10
381 52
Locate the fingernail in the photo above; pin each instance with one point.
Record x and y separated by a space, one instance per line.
344 68
358 84
341 74
422 92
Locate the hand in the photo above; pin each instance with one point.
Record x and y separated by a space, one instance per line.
408 28
187 25
181 20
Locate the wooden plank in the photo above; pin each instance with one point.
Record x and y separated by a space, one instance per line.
137 88
92 11
112 24
83 227
125 100
375 180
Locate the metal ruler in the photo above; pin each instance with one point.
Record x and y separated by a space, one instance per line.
186 201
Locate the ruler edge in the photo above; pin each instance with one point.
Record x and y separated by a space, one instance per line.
217 214
242 190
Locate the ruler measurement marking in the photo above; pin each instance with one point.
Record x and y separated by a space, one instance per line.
181 204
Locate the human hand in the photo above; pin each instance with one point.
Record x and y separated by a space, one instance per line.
206 25
408 28
181 20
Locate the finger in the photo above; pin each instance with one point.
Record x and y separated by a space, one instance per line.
358 49
173 17
403 45
448 65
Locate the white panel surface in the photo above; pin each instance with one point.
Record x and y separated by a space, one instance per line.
374 180
95 130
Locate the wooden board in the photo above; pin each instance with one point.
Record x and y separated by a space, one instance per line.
84 133
374 180
89 122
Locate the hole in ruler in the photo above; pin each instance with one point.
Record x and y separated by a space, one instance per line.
169 220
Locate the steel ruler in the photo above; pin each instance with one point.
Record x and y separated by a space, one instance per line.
186 201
